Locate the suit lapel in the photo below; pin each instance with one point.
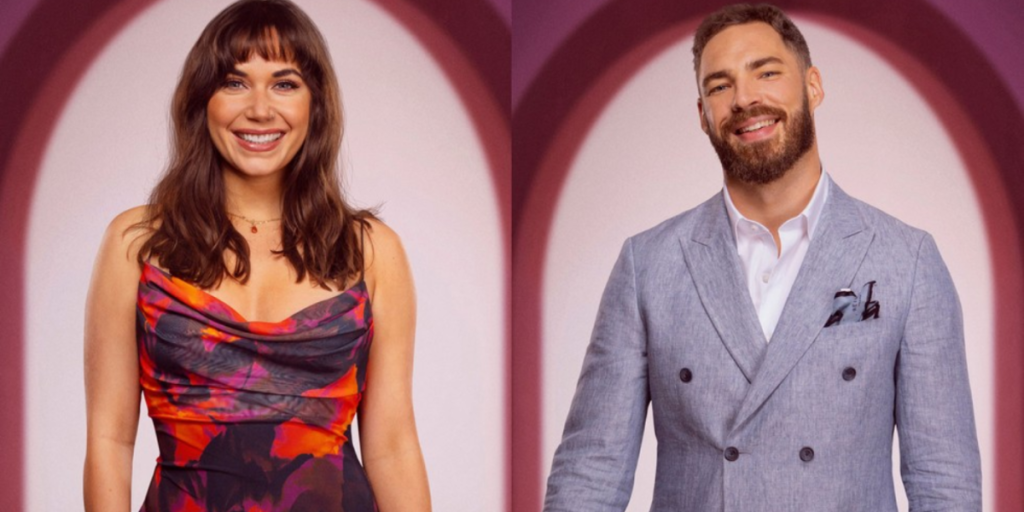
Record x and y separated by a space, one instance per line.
831 262
718 275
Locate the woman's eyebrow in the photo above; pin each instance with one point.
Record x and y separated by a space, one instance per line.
277 74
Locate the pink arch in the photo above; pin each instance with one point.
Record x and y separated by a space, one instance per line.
478 84
537 214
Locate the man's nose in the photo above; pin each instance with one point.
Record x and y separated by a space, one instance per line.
747 95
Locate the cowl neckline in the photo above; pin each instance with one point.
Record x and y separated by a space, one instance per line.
158 289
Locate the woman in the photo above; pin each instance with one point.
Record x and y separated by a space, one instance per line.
254 309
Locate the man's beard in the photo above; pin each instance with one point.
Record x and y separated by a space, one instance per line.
765 161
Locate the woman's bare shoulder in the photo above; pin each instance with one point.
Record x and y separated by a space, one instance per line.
131 217
384 258
126 234
378 239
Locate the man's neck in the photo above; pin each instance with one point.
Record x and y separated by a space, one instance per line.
774 203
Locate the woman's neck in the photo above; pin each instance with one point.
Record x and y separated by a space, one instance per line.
254 197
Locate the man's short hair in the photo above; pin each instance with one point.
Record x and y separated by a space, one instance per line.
739 14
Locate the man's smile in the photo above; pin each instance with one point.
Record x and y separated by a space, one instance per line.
757 129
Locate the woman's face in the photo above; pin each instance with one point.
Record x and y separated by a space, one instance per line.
258 118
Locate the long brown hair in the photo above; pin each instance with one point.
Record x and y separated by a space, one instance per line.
190 229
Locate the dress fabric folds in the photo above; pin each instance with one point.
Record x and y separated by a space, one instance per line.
252 416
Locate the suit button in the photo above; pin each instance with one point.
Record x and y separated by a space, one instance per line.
849 374
731 453
685 375
806 454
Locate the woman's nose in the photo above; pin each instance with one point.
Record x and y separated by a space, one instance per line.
260 107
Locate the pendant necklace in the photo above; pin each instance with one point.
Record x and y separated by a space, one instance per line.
253 222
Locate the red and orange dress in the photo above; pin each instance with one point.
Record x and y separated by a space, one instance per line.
252 416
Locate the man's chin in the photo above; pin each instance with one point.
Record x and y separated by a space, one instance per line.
759 150
756 169
755 159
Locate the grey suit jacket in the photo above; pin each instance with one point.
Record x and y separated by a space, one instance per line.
804 423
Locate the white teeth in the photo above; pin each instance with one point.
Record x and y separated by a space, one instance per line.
758 126
260 139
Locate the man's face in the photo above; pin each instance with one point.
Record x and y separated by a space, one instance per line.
756 102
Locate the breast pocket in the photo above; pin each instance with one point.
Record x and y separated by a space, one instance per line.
864 328
858 345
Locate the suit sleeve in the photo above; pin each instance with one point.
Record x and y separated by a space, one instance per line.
939 458
594 465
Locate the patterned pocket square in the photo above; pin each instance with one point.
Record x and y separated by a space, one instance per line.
848 308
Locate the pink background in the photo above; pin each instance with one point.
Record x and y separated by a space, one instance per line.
425 86
567 77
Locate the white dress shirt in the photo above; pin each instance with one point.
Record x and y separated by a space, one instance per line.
771 272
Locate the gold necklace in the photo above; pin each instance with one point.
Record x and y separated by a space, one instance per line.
253 222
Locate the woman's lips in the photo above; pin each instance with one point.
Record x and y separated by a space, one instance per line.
254 141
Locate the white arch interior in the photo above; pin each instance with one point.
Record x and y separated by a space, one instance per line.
646 159
410 146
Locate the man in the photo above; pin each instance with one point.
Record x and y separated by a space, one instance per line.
779 331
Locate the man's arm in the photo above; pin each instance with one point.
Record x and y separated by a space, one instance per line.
595 462
939 457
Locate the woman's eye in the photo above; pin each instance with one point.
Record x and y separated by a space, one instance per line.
233 84
287 85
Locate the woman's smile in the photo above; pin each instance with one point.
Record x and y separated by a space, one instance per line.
259 141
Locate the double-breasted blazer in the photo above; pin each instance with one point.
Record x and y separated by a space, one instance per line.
801 423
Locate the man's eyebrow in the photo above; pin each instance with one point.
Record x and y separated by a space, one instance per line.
763 62
714 76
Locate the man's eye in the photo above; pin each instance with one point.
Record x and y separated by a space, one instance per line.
768 74
717 88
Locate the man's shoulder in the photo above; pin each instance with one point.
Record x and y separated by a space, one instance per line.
887 229
682 225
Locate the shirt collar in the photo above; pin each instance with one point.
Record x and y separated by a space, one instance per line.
811 213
